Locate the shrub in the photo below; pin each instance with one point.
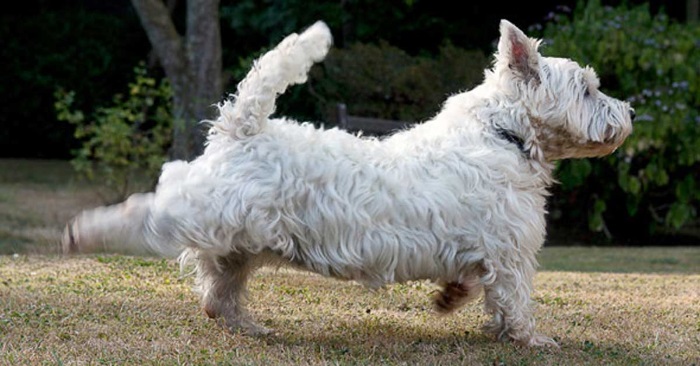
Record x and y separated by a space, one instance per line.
124 144
653 62
385 82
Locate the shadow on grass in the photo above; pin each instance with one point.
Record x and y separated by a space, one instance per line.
372 342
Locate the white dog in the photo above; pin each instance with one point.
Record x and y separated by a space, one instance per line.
459 200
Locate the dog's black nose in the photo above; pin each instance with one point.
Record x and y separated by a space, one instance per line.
632 114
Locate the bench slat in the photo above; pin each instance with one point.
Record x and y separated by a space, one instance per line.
374 124
366 124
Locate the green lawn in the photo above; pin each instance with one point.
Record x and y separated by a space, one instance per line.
37 198
622 260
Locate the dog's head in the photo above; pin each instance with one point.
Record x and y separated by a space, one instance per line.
569 117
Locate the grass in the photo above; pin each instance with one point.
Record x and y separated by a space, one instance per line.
131 310
37 198
622 260
606 306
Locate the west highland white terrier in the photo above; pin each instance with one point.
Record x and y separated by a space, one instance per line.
459 199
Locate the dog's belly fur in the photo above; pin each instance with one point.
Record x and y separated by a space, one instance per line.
415 218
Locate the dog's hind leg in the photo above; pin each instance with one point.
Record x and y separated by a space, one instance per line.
222 284
507 299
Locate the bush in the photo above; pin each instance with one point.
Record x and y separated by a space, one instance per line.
653 62
124 144
385 82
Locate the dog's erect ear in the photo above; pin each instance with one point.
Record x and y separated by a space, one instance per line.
518 52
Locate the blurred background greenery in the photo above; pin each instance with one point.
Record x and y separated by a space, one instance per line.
81 82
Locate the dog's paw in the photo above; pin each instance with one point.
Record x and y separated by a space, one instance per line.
539 340
244 327
454 295
255 330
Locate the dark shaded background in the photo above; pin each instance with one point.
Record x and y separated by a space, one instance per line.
91 46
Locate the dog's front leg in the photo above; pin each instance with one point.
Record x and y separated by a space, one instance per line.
507 298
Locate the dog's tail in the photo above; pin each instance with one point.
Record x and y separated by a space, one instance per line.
287 64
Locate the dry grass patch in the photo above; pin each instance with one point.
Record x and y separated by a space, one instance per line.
130 310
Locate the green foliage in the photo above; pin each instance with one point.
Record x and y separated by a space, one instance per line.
123 144
416 26
274 20
386 82
655 64
411 27
46 47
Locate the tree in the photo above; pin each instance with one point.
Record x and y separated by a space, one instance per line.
192 63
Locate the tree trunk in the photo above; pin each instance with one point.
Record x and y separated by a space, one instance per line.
692 10
192 64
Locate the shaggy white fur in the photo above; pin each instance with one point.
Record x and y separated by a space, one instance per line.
459 199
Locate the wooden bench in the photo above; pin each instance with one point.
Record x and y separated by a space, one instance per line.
368 126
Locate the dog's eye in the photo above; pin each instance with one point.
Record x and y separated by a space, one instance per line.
587 93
